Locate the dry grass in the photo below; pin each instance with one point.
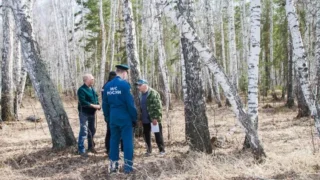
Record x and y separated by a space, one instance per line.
25 149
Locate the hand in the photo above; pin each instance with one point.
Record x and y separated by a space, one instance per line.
96 106
154 122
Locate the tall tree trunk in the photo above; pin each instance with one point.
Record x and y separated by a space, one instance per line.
317 52
163 69
272 72
222 38
16 74
131 47
301 63
7 63
290 97
57 119
253 65
196 121
197 131
233 66
20 90
114 7
187 32
103 46
303 109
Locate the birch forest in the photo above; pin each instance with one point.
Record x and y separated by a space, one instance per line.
239 82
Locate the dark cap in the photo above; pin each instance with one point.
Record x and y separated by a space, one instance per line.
112 74
141 81
122 66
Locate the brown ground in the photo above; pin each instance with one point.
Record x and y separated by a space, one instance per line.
291 146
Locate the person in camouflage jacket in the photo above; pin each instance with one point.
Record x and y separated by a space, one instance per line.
151 113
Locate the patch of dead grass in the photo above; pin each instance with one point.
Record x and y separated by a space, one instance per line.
25 150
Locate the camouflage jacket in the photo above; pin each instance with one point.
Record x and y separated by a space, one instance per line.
154 106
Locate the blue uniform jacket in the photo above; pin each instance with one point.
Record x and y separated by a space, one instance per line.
118 104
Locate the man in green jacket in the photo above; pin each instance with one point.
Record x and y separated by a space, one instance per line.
151 111
87 106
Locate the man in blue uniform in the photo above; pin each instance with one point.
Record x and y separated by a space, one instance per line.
118 107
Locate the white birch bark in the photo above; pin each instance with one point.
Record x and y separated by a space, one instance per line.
233 69
272 75
114 8
222 38
158 30
172 11
131 47
317 50
253 62
301 63
7 113
103 46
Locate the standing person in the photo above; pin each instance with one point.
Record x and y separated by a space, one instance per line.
87 106
119 109
112 75
151 109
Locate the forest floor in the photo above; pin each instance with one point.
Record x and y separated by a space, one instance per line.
291 145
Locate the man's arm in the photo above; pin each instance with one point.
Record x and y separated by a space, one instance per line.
105 107
155 107
82 98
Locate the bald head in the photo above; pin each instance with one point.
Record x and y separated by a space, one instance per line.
88 79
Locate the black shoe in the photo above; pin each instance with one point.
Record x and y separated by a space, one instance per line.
84 155
93 151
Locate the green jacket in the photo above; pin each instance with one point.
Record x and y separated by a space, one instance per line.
87 96
154 105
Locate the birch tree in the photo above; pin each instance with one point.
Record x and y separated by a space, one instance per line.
7 63
301 63
103 46
173 11
114 9
233 69
197 131
290 96
272 72
57 119
131 47
253 65
318 50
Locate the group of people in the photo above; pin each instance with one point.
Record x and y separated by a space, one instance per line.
120 115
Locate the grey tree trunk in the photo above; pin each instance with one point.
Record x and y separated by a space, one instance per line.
103 46
16 74
290 96
131 47
7 63
318 50
114 7
303 109
57 119
197 131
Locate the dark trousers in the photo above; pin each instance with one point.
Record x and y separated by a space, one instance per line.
87 130
158 135
107 139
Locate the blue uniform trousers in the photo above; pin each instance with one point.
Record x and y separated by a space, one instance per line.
125 132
